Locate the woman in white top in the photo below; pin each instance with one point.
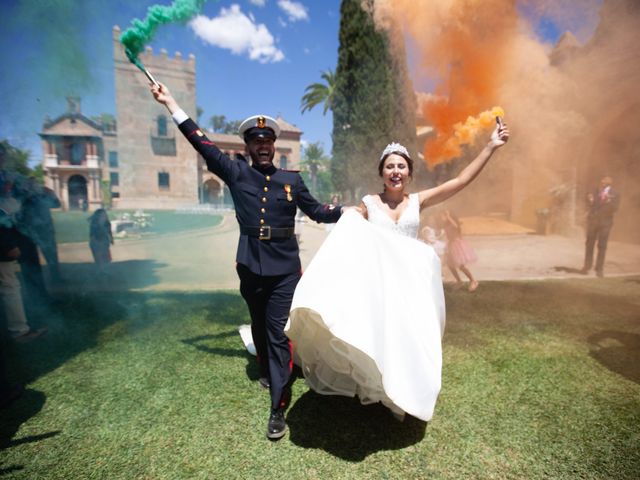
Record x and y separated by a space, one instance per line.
368 314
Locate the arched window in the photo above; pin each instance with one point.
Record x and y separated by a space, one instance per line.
283 161
77 188
162 126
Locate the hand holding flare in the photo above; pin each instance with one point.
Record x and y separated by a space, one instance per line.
500 135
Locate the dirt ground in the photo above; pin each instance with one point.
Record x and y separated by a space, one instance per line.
205 259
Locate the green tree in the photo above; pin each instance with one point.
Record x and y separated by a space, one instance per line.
14 159
232 127
38 173
105 190
314 162
218 123
318 93
106 120
373 102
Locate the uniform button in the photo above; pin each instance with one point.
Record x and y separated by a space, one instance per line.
262 210
264 199
268 178
262 221
266 189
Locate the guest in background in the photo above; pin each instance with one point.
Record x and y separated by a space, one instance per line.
36 215
10 291
100 238
602 205
434 235
458 253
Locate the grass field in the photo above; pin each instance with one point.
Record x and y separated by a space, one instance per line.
541 380
73 226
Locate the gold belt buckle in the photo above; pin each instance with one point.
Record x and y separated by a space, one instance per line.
264 233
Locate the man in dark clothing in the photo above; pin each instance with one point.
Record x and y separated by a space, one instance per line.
10 292
602 205
35 216
268 262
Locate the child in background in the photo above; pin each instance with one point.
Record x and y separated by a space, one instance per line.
459 253
433 235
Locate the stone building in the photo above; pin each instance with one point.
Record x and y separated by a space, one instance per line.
74 146
140 159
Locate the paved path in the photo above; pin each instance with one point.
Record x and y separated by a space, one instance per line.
205 259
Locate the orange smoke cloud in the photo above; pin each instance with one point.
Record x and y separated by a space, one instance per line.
464 44
465 134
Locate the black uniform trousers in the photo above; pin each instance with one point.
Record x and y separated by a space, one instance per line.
269 301
597 231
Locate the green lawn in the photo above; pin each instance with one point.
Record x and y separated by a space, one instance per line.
73 226
541 380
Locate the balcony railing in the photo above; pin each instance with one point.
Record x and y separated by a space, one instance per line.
92 161
51 160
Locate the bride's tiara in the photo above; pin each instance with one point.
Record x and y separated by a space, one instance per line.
394 148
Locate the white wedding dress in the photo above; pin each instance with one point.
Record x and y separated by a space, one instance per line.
368 315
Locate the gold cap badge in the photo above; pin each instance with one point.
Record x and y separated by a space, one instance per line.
261 122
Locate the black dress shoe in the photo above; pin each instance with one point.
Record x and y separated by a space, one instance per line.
264 382
277 427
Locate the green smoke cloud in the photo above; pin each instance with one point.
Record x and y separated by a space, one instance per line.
141 33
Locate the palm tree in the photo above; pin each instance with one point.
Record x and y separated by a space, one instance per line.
318 93
232 126
314 160
218 123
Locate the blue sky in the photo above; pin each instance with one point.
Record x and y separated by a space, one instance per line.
251 56
37 74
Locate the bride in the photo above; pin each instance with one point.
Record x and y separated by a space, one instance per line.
368 315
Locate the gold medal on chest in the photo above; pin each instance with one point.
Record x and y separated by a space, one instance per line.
287 188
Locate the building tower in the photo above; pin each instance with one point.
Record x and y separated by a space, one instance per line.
156 166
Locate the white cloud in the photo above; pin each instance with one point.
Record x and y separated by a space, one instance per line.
259 3
294 10
235 31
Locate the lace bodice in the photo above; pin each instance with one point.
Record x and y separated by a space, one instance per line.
408 223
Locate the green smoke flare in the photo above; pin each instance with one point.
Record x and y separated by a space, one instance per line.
135 38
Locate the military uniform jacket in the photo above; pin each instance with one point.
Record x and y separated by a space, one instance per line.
270 196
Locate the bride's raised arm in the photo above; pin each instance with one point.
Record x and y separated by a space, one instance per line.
435 195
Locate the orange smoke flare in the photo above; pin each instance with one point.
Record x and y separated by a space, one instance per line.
445 148
464 44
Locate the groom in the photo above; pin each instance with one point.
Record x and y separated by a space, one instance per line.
268 262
